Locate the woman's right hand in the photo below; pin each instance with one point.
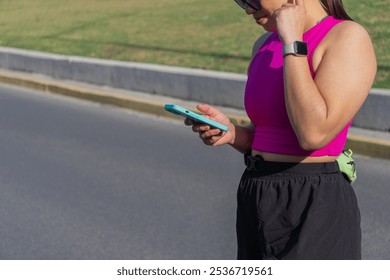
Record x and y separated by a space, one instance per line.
212 136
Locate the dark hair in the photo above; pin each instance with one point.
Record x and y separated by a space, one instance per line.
335 8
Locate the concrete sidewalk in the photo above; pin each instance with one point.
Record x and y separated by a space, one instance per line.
362 141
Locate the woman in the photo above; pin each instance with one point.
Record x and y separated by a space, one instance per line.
310 74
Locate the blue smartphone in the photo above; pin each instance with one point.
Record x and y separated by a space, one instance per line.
175 109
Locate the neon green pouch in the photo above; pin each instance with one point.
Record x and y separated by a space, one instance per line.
347 165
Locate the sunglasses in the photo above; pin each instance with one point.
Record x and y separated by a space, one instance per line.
254 4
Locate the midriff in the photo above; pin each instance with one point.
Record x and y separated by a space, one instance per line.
291 158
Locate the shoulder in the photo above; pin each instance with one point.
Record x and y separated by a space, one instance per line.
346 41
347 58
259 42
347 32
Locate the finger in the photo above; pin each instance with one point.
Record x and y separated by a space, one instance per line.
200 128
188 122
208 141
205 138
211 140
286 5
214 141
214 132
208 110
210 133
300 3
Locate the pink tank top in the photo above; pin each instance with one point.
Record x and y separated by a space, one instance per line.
264 97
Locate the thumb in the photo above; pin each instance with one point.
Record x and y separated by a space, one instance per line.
300 3
208 110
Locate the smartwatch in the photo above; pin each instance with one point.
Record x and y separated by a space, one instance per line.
297 48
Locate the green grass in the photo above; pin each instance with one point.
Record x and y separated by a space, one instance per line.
204 34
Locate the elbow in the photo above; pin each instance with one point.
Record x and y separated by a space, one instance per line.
311 142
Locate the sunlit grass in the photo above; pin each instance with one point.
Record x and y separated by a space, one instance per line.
204 34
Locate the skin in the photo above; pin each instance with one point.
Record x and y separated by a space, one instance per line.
318 109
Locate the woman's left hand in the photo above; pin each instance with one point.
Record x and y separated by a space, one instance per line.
290 21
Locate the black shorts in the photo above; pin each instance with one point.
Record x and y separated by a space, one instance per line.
296 211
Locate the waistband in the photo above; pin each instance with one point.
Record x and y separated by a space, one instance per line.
258 164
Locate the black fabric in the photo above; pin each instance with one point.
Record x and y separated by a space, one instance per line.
301 211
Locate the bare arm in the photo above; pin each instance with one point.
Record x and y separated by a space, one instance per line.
319 109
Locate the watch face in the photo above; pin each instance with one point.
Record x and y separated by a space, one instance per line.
301 48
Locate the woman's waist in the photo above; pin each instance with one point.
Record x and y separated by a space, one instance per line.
269 163
274 157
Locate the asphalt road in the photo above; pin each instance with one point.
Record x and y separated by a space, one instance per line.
80 180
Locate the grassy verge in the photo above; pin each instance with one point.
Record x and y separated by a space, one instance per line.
191 33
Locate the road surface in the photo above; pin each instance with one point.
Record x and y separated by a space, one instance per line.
80 180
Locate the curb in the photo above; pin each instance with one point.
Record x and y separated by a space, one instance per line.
197 85
359 144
